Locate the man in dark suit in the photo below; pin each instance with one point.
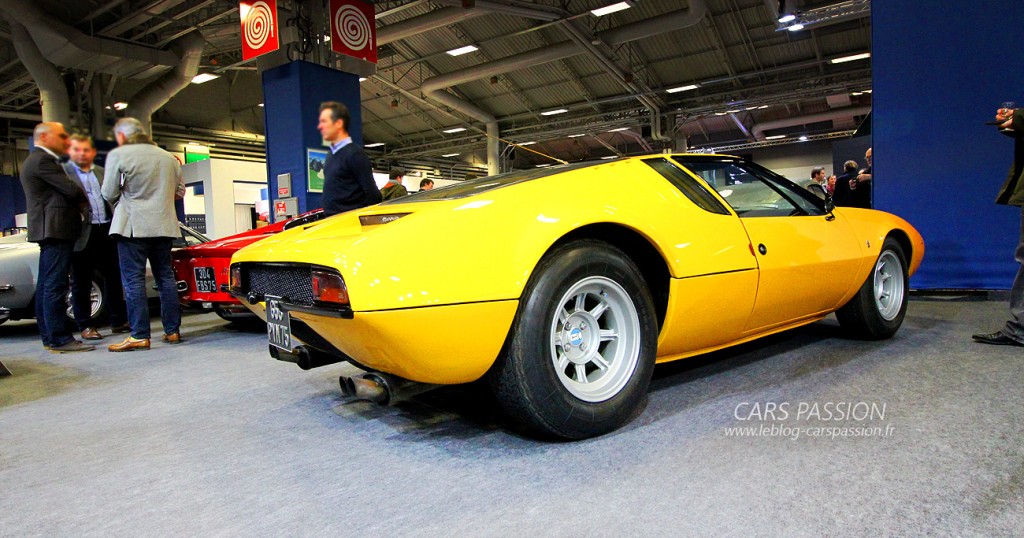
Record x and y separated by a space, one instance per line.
348 174
99 251
55 206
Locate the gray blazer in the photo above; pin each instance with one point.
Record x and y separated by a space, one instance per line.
69 167
144 204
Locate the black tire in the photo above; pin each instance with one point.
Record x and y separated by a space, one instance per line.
98 311
868 318
525 379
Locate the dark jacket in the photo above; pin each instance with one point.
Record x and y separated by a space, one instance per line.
847 197
393 190
54 201
1012 192
348 181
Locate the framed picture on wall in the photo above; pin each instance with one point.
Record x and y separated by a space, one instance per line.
316 159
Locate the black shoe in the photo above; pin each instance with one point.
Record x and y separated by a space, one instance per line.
997 339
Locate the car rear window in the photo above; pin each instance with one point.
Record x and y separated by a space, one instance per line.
489 183
686 184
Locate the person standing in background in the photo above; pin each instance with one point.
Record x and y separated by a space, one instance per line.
843 195
142 182
348 173
394 188
55 204
99 252
426 184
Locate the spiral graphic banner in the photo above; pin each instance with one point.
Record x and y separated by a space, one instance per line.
259 27
354 29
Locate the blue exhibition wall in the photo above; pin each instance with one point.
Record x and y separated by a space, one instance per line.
292 94
12 200
940 72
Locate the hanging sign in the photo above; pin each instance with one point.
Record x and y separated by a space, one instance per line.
259 27
354 29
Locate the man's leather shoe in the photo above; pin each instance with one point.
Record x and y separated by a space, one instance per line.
130 344
122 328
996 338
73 346
91 334
173 338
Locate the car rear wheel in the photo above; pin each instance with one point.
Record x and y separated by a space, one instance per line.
878 309
97 300
581 350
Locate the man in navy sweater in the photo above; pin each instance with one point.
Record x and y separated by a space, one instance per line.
348 174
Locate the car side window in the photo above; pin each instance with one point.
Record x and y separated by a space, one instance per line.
753 191
686 184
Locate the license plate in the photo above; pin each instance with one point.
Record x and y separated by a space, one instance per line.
279 325
205 281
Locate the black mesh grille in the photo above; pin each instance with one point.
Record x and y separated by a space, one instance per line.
291 282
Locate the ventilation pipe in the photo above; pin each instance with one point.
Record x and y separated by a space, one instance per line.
425 23
63 45
53 94
433 88
189 48
838 114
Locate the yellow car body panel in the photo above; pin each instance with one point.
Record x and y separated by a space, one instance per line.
435 292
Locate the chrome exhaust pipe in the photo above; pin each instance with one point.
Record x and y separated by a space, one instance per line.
381 388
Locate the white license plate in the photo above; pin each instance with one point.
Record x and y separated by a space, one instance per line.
205 281
279 326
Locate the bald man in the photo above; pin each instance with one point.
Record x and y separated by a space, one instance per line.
56 205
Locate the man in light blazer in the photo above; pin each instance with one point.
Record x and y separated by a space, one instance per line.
142 182
55 205
99 251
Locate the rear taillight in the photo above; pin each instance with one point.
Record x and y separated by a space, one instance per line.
236 278
329 287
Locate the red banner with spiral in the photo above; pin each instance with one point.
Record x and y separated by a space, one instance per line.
354 29
259 27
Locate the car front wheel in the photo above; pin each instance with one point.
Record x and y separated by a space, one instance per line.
878 309
581 351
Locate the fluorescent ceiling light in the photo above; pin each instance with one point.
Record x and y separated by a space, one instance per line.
327 39
682 88
789 17
374 145
774 137
576 135
203 77
260 105
737 111
120 105
796 27
455 130
867 91
553 112
852 58
803 138
751 108
450 155
857 93
610 157
762 107
527 143
721 113
462 50
361 79
619 129
602 11
543 165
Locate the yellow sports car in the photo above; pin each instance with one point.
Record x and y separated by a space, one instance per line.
565 285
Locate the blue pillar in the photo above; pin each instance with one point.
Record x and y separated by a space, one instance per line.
292 94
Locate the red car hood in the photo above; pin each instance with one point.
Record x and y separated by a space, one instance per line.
225 247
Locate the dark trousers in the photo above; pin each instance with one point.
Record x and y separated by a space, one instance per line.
52 290
98 256
133 253
1015 327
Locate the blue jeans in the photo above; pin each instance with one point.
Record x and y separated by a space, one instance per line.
51 289
133 253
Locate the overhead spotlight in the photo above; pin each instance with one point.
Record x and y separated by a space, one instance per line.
787 18
394 103
796 27
120 105
787 11
462 50
803 138
261 105
362 79
203 77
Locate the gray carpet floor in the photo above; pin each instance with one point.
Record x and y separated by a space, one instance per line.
214 438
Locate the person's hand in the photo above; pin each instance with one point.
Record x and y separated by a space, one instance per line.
1004 114
863 177
1008 124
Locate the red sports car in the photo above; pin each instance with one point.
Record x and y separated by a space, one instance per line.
201 270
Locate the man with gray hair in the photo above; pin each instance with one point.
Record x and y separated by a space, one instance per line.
55 205
142 182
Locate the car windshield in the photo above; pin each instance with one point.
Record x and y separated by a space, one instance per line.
489 183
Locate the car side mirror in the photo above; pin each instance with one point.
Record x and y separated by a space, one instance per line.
829 204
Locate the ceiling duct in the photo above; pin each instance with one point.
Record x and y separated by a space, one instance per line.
189 49
424 23
53 94
66 46
832 115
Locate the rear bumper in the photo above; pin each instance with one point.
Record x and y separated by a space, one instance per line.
439 344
